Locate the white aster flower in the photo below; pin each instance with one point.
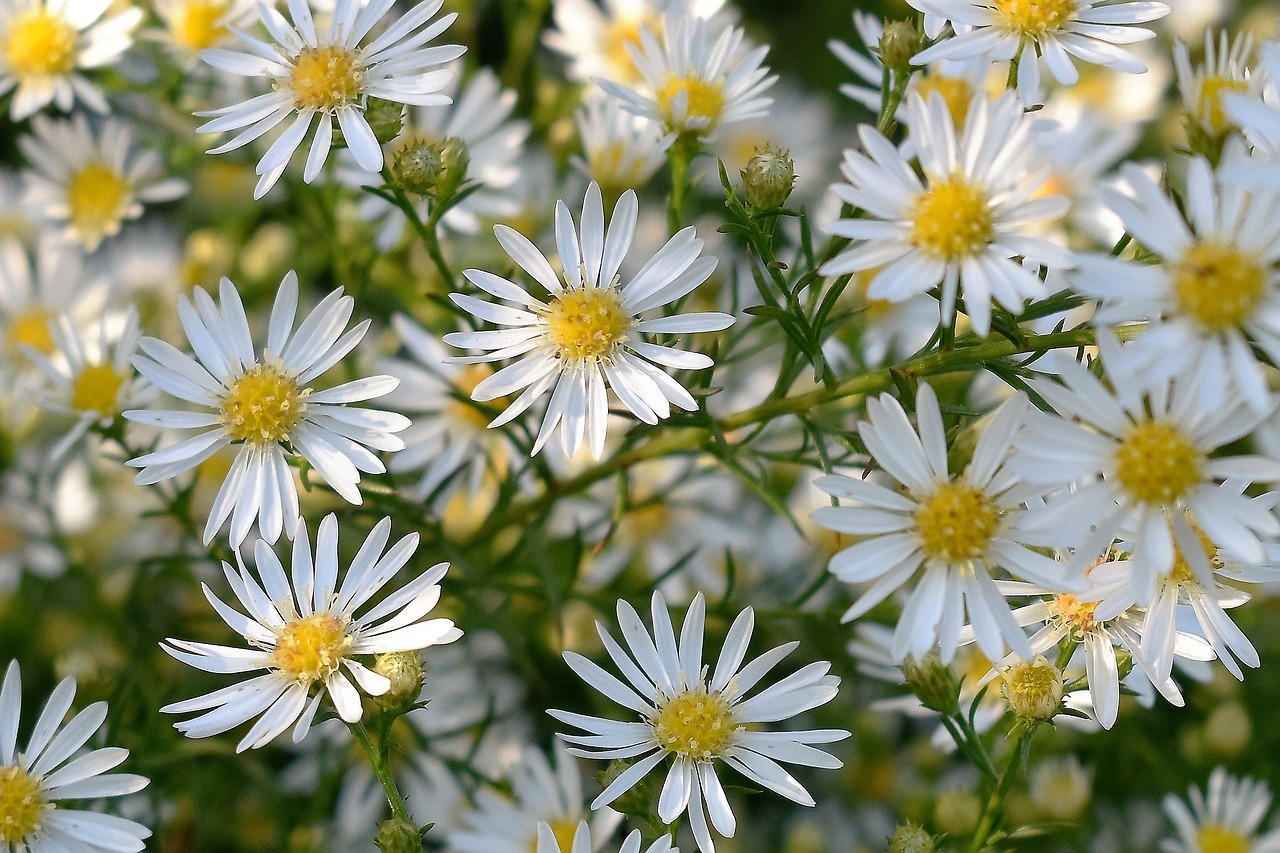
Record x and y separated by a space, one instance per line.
697 721
1258 113
44 44
191 26
36 782
958 530
962 225
540 793
1050 31
1225 69
1140 456
620 151
330 75
1215 293
260 404
692 84
1225 819
92 183
578 840
302 628
589 332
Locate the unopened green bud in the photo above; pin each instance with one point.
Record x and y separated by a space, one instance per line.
404 670
1033 689
910 838
398 836
454 161
768 178
638 801
933 682
900 41
385 118
430 166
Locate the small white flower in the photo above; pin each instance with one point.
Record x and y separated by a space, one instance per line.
262 403
302 628
330 75
962 225
92 183
551 841
589 332
44 44
1049 31
698 721
1225 70
1226 819
1258 113
36 782
620 151
191 26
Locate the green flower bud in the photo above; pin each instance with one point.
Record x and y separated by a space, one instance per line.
430 167
398 836
768 178
386 118
933 682
900 41
910 838
405 671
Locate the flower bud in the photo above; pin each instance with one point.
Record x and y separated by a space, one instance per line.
768 178
910 838
385 118
933 682
1033 689
430 167
405 671
900 41
398 836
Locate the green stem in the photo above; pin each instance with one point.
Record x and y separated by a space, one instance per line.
426 231
992 811
679 156
378 758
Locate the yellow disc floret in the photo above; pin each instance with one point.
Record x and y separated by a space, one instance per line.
620 34
956 522
952 219
1033 688
1217 285
263 405
1075 614
326 78
1210 112
1035 18
31 327
1156 463
97 388
310 649
956 93
1183 573
695 725
39 44
98 198
563 829
1218 839
198 24
22 804
461 408
587 323
704 99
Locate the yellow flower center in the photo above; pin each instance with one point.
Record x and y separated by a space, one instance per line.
197 25
96 389
325 78
952 219
587 323
877 310
31 327
563 829
1035 18
704 100
1033 688
1182 572
39 44
1156 463
263 405
956 522
695 724
956 93
621 33
1077 614
1218 839
21 804
98 197
461 410
1218 285
310 649
1209 110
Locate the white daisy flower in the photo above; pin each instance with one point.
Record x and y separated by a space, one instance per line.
262 404
697 721
959 530
540 793
92 183
1140 456
1258 114
91 379
311 642
620 151
1050 31
35 289
36 782
589 332
1225 69
480 117
578 840
597 38
692 84
1215 293
330 75
44 44
191 26
964 223
1226 819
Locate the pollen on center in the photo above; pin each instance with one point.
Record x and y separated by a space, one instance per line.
1213 838
1218 285
957 522
695 725
39 44
97 389
1036 18
198 24
1075 614
22 804
703 99
326 78
1156 463
952 219
263 405
309 649
587 323
98 199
